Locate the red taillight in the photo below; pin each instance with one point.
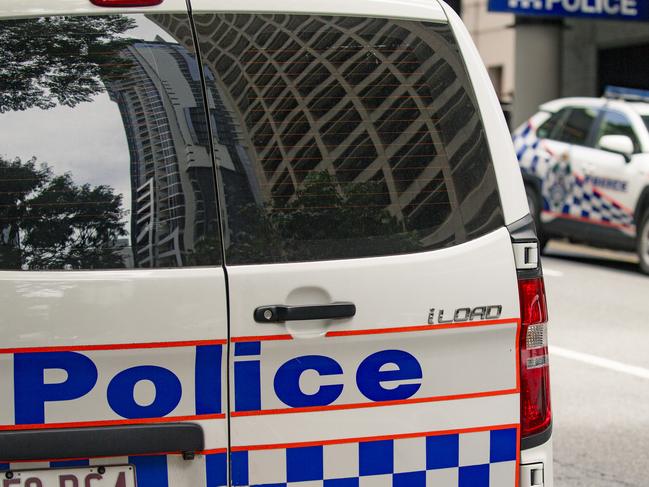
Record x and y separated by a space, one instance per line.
536 412
126 3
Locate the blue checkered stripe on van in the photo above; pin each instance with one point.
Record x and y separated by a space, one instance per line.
482 459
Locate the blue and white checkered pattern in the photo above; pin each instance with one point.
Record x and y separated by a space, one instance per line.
530 159
584 201
587 202
482 459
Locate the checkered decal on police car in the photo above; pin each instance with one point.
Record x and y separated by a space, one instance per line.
584 202
481 459
589 203
529 159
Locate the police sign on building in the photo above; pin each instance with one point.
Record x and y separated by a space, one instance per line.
603 9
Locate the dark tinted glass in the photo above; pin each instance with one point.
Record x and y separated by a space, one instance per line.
548 128
456 5
104 159
577 125
614 123
341 137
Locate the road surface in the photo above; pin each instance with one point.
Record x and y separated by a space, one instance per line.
599 336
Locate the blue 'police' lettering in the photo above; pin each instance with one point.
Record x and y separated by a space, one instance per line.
287 381
168 392
207 380
247 385
370 377
383 376
30 390
247 377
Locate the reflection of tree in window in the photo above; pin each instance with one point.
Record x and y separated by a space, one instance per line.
58 60
350 218
48 221
160 158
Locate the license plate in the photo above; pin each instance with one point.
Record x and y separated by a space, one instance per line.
99 476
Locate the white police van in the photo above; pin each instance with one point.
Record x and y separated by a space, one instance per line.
585 163
253 243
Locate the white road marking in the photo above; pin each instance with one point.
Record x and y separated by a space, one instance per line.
552 272
601 362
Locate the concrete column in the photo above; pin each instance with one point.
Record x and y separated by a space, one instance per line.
538 65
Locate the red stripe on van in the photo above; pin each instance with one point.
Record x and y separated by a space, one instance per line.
379 331
406 329
266 338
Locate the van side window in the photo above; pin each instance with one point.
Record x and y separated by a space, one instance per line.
577 126
615 123
104 160
344 137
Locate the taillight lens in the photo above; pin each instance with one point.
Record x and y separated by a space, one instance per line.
126 3
536 412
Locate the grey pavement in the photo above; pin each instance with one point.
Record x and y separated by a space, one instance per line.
598 303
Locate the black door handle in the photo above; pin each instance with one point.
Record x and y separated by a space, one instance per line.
280 313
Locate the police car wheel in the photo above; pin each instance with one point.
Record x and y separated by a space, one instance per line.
643 244
533 203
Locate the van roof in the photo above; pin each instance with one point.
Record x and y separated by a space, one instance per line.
407 9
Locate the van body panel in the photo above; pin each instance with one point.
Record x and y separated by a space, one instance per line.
51 309
468 384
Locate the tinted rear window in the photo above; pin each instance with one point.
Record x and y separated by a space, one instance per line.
104 147
340 137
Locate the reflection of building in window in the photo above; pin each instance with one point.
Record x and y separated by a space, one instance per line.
171 171
362 99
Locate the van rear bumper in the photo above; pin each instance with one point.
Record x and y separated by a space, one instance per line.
536 465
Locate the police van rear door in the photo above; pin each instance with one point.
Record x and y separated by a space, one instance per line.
371 283
113 322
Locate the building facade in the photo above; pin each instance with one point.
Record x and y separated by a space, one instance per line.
534 59
495 38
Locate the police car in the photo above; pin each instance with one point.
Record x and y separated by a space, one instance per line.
585 163
253 243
